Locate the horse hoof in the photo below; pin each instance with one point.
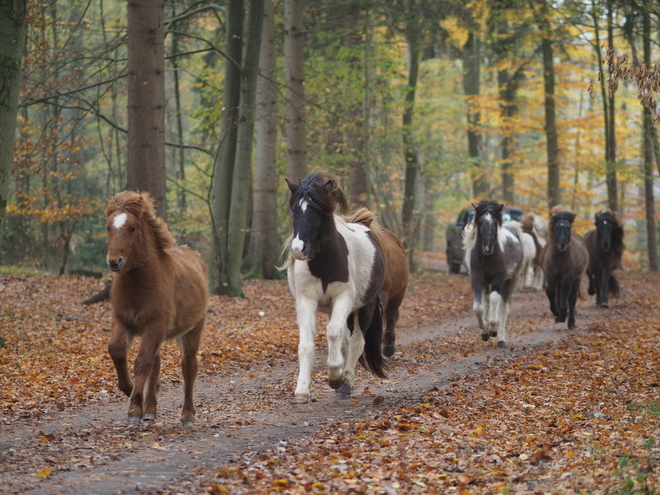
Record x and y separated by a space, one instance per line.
149 416
501 343
493 333
335 384
604 305
344 392
134 420
301 399
187 423
389 350
485 337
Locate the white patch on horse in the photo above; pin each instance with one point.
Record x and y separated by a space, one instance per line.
303 205
488 217
297 246
119 220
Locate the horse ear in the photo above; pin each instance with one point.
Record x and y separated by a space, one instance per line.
293 185
330 185
473 207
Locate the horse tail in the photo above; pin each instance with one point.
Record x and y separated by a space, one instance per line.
372 357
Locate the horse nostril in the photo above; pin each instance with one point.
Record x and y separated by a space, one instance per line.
120 261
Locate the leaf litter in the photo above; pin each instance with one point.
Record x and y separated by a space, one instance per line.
578 413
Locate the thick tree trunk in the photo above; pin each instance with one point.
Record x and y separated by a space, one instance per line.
295 95
243 165
224 163
552 146
651 235
471 88
610 158
146 100
12 43
264 225
410 199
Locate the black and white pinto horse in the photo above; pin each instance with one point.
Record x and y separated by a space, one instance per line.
337 268
605 246
493 256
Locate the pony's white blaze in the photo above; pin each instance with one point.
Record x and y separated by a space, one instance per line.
119 221
297 246
303 205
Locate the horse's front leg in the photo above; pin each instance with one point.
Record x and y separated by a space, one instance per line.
338 340
495 310
604 289
120 342
564 296
507 292
306 313
575 290
550 291
152 338
151 392
480 307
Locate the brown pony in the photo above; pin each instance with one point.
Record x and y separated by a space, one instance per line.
605 245
564 259
396 275
159 292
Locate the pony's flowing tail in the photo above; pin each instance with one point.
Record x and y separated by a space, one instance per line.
372 357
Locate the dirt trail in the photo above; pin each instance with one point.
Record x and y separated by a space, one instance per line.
93 450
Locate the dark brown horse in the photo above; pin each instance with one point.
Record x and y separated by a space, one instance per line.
605 245
159 292
564 259
396 275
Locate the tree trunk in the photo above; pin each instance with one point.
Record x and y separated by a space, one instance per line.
180 160
295 96
12 44
552 146
264 225
651 239
146 100
471 88
243 165
224 163
410 198
610 158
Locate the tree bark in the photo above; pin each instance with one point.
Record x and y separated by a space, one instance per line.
295 95
223 166
146 100
651 237
472 88
610 158
243 164
264 225
12 43
552 146
410 198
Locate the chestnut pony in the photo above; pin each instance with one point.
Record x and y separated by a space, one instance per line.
397 271
564 259
159 292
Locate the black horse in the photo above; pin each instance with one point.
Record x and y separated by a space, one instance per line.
605 245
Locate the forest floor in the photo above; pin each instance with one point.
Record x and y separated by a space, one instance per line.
556 411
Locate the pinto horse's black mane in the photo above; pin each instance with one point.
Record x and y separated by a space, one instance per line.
322 192
484 207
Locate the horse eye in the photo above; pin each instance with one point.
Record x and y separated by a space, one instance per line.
107 227
131 230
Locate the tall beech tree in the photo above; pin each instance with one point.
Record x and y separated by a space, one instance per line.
12 43
146 100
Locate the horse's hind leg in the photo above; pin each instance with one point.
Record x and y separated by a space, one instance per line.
120 341
189 344
575 289
391 318
604 289
151 394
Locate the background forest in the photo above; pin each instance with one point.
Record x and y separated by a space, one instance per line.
419 106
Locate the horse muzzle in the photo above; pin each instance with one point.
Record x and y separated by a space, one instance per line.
116 265
298 254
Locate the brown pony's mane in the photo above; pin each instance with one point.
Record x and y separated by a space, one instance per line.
527 222
558 213
142 206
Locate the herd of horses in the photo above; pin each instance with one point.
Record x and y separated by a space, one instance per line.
341 263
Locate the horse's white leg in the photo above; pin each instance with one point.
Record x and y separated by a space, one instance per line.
355 349
504 315
480 308
338 340
306 313
494 317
